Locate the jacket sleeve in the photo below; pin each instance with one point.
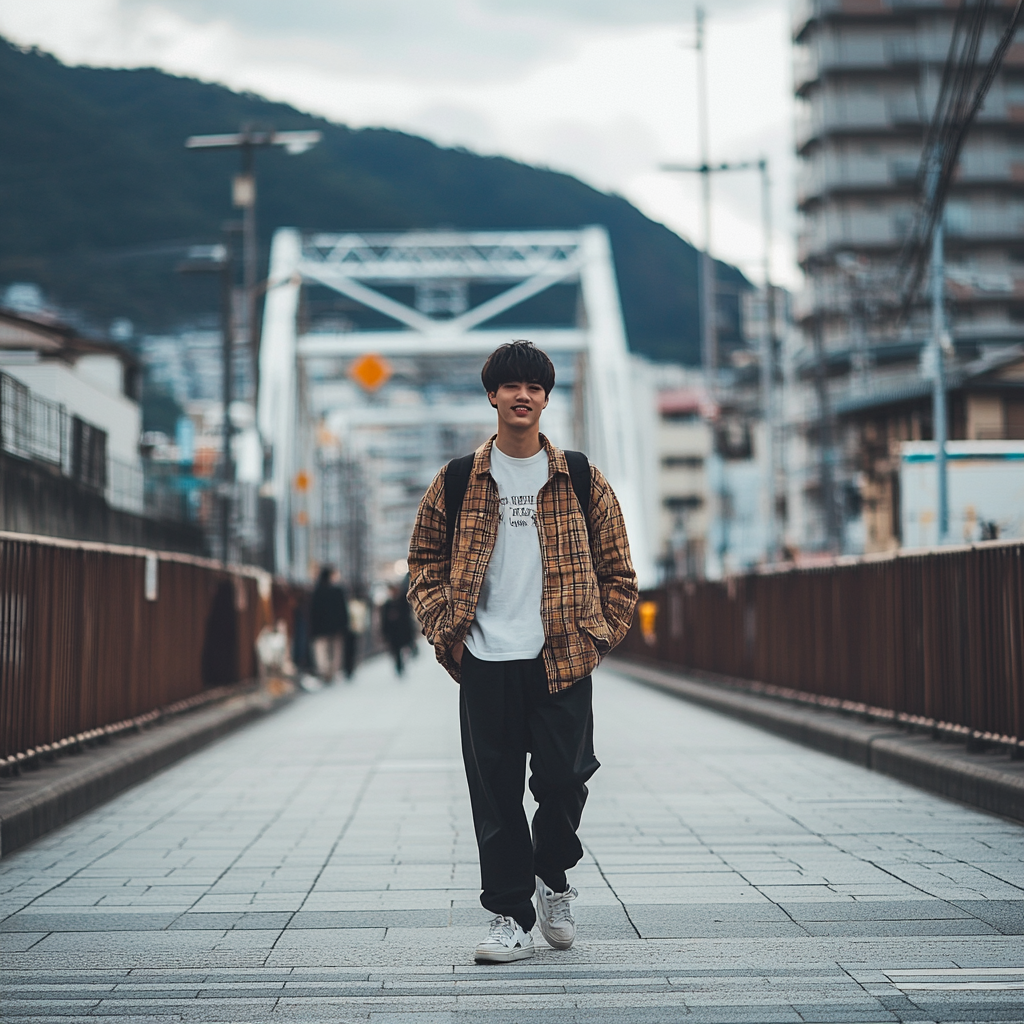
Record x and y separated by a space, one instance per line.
616 578
429 564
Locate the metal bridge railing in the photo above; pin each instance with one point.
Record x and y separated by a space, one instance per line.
93 634
930 638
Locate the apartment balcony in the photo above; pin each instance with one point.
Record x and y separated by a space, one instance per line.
832 115
885 51
836 228
806 12
979 316
978 223
875 54
817 178
841 229
830 174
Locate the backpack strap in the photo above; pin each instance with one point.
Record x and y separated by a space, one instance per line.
456 480
579 474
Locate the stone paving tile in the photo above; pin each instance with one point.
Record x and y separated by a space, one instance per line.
320 865
874 910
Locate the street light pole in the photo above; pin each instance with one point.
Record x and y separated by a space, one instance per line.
247 141
245 198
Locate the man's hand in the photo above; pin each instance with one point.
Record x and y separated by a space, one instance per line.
457 651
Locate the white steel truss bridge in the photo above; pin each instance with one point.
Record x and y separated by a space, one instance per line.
442 267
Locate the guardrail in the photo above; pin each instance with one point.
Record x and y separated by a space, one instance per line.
931 638
95 634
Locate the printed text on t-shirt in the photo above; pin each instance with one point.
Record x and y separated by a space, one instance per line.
521 510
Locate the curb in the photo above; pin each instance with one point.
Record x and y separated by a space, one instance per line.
36 802
990 781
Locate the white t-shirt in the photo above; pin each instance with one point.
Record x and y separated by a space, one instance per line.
508 626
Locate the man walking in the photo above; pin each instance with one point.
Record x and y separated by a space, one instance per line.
521 578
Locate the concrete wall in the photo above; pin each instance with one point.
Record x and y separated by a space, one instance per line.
36 499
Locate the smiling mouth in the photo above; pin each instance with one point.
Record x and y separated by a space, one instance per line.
521 408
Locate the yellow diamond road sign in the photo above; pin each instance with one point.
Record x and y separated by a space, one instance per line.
370 372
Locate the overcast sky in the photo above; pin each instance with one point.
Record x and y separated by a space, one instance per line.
604 89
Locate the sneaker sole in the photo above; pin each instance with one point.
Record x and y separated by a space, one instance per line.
506 957
553 942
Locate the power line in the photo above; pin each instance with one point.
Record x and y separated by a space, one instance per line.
955 110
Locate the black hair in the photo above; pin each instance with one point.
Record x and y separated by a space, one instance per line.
324 578
518 360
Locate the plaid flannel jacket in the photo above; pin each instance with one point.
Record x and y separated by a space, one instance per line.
588 597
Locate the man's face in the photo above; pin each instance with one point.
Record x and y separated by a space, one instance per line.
519 404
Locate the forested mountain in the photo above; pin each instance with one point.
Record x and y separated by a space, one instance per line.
99 198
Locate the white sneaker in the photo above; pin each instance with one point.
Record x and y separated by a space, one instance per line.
505 941
554 915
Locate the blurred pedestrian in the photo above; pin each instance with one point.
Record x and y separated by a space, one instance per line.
396 625
276 669
358 615
328 623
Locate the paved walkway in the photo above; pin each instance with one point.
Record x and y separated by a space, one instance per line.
320 866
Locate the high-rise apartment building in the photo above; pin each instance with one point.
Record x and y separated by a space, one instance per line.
867 77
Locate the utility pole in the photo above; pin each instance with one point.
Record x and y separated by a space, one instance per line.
706 275
216 259
767 339
243 194
768 363
939 343
826 435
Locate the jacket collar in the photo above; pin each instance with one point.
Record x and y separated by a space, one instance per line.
556 458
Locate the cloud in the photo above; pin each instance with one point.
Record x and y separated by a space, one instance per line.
603 89
433 40
606 153
453 124
388 17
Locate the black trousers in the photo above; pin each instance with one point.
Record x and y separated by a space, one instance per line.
507 712
349 662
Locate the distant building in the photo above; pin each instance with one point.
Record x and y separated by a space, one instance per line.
867 77
188 365
723 460
72 402
685 444
888 435
985 481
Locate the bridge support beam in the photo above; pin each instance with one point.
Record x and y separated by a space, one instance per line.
278 410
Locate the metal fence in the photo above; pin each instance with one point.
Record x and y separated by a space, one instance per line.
125 487
33 427
934 637
93 634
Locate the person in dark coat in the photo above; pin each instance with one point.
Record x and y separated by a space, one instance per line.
396 625
328 623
